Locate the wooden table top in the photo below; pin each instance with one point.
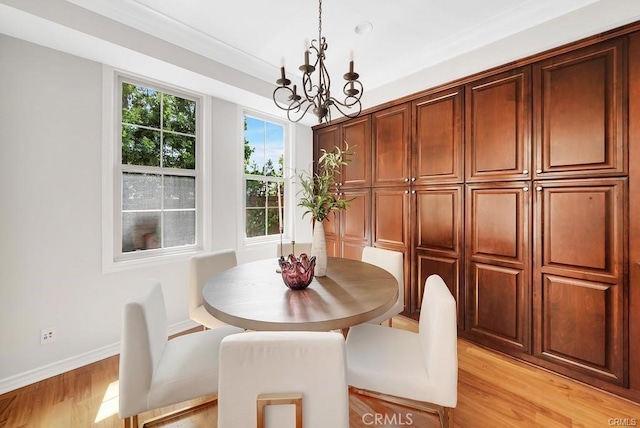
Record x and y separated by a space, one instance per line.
253 296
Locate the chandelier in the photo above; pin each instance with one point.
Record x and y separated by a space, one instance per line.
316 88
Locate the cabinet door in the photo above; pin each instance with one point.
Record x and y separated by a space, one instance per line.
498 127
355 223
391 223
391 218
498 267
579 112
438 242
332 235
390 146
579 276
357 134
437 137
325 138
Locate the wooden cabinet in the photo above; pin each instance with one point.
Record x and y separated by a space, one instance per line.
580 109
438 241
498 289
519 187
357 134
391 149
498 127
436 153
579 276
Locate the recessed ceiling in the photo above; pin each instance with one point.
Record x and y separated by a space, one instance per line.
408 37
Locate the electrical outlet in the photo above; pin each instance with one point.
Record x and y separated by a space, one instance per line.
47 335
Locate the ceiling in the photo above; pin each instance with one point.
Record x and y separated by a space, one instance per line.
414 44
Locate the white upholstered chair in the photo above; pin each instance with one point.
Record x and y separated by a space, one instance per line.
418 370
392 262
201 268
287 248
268 373
156 372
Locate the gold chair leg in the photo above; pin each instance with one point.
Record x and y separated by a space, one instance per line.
131 422
446 417
168 416
445 414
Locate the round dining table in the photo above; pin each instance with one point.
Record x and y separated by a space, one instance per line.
253 296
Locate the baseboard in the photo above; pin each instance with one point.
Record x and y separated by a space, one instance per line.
44 372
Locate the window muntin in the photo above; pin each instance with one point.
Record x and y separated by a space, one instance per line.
264 202
158 169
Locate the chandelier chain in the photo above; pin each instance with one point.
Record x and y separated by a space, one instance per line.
319 20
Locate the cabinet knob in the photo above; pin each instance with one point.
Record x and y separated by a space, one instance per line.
538 171
413 191
539 188
340 184
406 180
525 188
406 191
413 179
525 172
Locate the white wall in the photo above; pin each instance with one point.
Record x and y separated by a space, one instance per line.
50 215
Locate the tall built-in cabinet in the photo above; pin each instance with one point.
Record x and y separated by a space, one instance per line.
519 186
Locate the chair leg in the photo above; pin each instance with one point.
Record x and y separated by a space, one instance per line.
446 417
445 414
131 422
177 413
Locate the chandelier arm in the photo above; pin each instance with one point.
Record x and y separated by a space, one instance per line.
304 112
347 113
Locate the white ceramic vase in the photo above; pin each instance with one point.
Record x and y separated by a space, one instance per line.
319 249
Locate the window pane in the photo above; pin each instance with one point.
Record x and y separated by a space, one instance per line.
275 203
140 106
179 228
140 231
255 222
140 146
179 192
273 221
141 191
274 149
255 194
179 151
254 146
179 114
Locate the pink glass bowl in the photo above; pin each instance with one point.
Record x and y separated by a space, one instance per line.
297 272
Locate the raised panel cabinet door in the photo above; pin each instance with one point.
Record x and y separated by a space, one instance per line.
332 235
498 271
579 277
580 108
356 134
438 241
498 127
449 269
390 150
326 138
437 154
391 217
355 222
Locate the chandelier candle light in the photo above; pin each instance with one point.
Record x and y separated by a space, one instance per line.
317 95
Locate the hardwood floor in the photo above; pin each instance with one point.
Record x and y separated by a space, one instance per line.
493 391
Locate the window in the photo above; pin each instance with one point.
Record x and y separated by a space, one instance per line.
264 205
158 170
